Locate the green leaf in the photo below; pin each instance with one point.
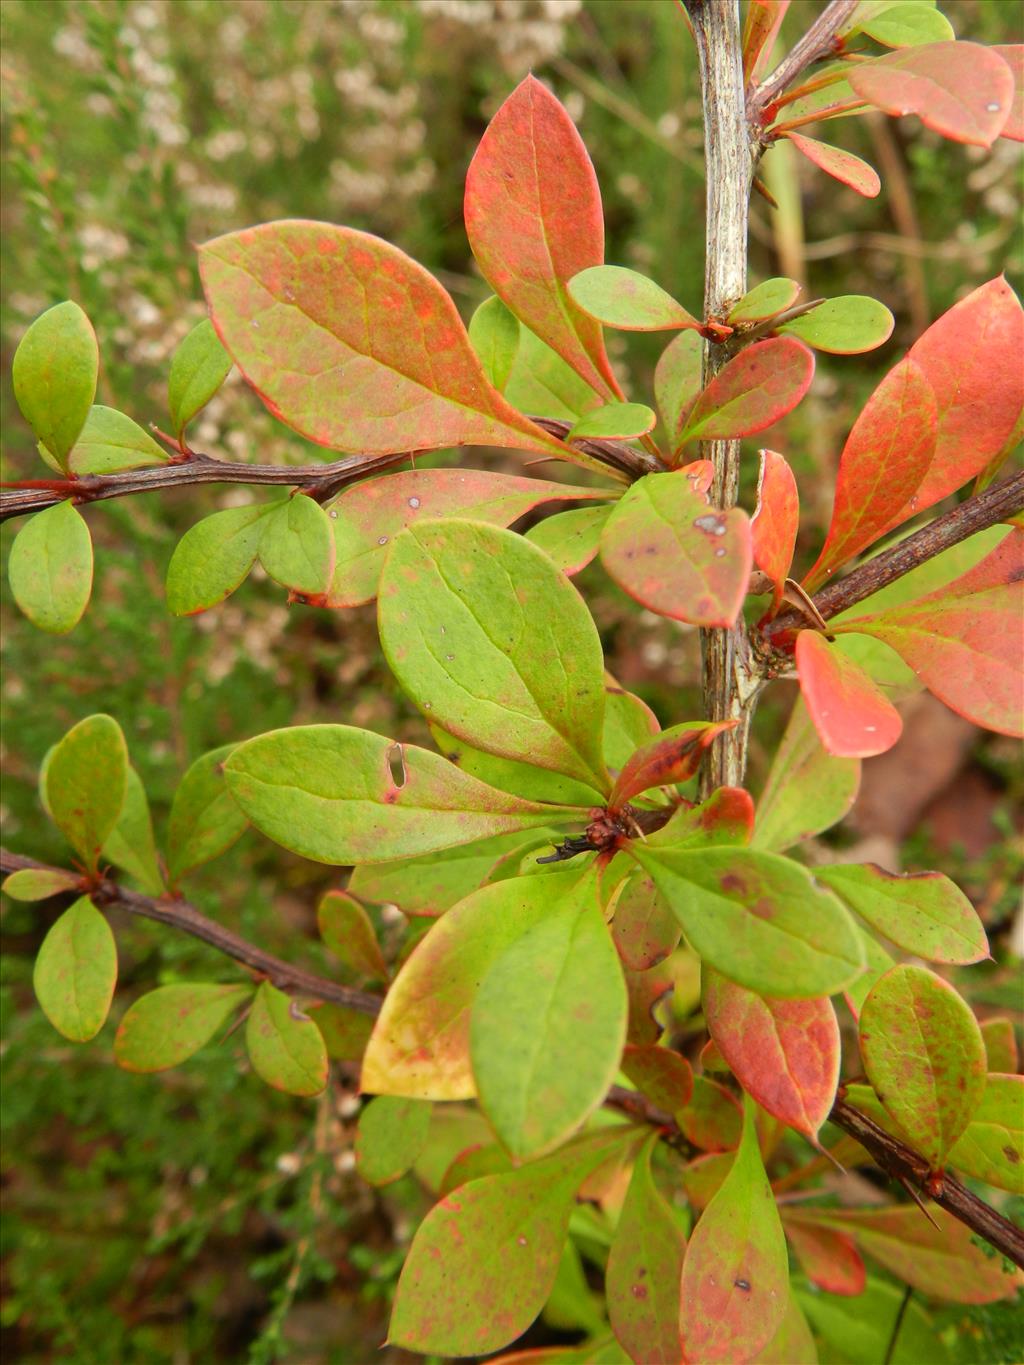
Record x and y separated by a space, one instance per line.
167 1026
420 1043
793 1343
678 378
924 1054
623 298
297 546
390 1137
484 1260
764 301
549 1023
712 1119
86 783
199 368
76 972
130 843
613 421
664 1076
846 325
807 790
340 795
494 335
521 779
345 1032
735 1284
50 568
205 819
542 382
54 376
110 441
644 1269
908 25
877 961
571 539
858 1331
211 559
1000 1042
757 388
759 918
38 883
346 930
922 912
991 1147
285 1046
495 645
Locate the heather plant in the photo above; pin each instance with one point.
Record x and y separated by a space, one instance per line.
557 851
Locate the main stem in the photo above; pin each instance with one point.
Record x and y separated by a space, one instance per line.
729 164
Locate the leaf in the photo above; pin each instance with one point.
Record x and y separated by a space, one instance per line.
346 930
76 971
130 843
877 963
38 883
793 1343
109 441
961 90
542 382
991 1147
784 1053
613 421
726 817
764 301
847 325
713 1118
484 634
329 793
753 391
662 1075
369 514
853 718
50 568
644 930
297 546
671 757
420 1043
571 539
1013 55
285 1045
534 220
316 316
907 25
776 521
842 166
829 1258
205 819
863 1330
943 1261
675 555
760 30
167 1026
485 1258
390 1136
548 1025
735 1285
213 557
678 378
923 913
198 369
54 374
964 641
884 460
520 779
345 1032
647 990
642 1280
924 1054
494 336
623 298
998 1033
86 781
760 919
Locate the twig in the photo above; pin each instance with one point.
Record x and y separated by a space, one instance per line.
897 1324
975 514
817 42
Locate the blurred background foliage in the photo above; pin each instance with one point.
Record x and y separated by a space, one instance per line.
198 1216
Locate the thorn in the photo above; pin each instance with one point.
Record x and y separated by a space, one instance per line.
765 192
918 1201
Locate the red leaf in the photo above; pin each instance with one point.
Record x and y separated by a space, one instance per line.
662 1075
764 19
1013 55
965 641
852 717
672 757
644 929
841 165
317 316
675 555
961 90
713 1118
883 462
755 390
775 522
785 1053
726 817
829 1258
534 220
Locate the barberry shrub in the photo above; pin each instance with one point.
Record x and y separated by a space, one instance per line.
552 852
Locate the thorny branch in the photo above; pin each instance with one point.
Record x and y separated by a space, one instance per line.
817 42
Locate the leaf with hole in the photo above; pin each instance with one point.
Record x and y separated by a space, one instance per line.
390 1136
76 971
50 568
213 557
86 782
198 369
853 717
962 90
284 1044
54 374
167 1026
625 299
756 389
110 441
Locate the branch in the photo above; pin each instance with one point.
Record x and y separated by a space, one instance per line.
322 481
975 514
180 914
817 42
